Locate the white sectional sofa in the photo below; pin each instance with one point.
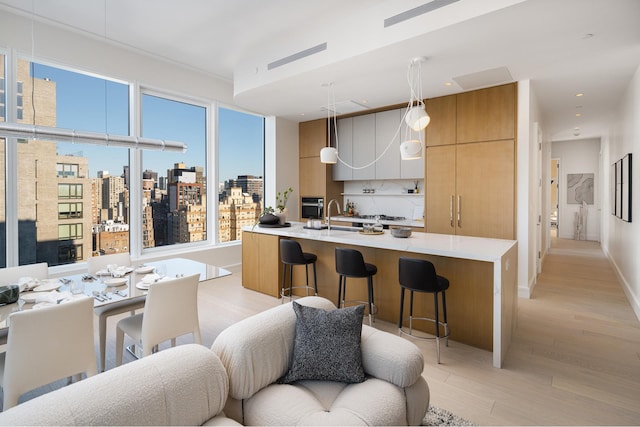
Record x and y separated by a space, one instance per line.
184 385
257 351
193 385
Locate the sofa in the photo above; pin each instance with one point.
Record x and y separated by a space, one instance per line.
236 382
184 385
257 353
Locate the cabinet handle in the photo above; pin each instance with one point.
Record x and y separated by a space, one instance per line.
459 211
451 210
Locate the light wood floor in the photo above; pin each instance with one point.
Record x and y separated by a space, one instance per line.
574 360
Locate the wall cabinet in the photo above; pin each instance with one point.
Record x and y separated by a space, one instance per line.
470 164
361 139
470 189
316 178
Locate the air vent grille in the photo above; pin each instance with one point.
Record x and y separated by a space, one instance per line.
297 56
417 11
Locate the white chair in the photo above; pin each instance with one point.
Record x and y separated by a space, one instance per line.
171 310
11 275
46 345
97 263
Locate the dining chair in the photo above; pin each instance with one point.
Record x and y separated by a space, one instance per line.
11 275
97 263
46 345
171 310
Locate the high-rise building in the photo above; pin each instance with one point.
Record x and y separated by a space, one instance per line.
239 210
186 218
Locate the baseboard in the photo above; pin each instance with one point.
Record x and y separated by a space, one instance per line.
527 290
633 299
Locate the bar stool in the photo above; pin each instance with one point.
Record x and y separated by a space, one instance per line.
418 275
350 263
291 254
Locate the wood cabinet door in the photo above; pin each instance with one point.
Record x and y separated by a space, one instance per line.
261 266
487 114
440 189
312 137
312 177
486 189
442 127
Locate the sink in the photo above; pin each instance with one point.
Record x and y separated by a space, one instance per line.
342 228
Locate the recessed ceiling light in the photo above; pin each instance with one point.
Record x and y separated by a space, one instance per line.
578 114
579 94
448 84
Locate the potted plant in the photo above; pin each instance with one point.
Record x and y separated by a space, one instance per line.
281 205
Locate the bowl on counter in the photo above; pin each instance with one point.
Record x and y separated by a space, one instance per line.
402 232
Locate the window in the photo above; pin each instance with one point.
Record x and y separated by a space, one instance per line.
241 166
67 170
69 210
174 187
69 191
70 231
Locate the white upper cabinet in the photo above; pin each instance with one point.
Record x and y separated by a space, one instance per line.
387 124
364 146
361 139
345 149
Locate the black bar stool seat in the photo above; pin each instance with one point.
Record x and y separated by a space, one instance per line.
419 275
350 263
291 254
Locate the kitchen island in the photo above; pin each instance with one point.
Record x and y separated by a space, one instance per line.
481 300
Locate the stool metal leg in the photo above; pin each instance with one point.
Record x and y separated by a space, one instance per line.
370 286
446 325
284 278
435 300
306 271
315 278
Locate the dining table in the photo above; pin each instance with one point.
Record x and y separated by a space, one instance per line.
114 290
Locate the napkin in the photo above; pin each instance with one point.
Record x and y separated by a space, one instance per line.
52 297
27 283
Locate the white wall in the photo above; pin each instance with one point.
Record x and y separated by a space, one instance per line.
622 242
578 156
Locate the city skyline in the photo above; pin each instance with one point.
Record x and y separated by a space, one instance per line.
98 105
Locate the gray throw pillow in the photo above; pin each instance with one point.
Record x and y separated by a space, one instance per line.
327 345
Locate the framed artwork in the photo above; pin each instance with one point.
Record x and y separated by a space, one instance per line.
612 195
626 188
619 188
580 188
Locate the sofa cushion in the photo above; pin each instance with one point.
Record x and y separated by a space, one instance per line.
327 345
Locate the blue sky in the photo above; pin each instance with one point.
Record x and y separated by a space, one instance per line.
93 104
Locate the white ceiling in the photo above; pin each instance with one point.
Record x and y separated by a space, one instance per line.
563 47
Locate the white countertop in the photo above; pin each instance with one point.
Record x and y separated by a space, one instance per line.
474 248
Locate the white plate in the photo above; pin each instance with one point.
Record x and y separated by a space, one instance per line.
143 286
145 269
29 297
119 281
122 270
47 285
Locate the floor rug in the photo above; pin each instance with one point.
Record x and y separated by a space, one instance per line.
441 417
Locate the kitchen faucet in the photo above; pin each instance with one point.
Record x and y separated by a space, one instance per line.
329 212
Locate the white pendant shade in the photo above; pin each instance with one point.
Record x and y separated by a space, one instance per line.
329 155
411 149
417 118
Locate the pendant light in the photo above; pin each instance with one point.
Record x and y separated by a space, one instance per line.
416 117
329 154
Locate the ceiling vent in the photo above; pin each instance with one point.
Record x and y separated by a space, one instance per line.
417 11
299 55
485 78
346 107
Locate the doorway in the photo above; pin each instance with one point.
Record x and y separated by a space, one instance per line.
554 198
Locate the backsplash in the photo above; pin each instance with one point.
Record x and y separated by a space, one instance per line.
388 197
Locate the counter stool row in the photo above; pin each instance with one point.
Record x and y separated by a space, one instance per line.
415 275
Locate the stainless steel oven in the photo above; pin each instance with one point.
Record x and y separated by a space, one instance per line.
312 207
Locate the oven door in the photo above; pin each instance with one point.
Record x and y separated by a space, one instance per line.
312 207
